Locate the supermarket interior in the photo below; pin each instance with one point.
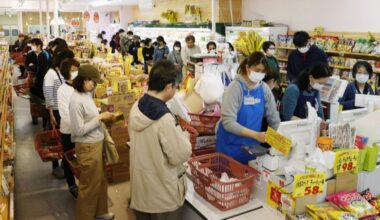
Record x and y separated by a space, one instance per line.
189 109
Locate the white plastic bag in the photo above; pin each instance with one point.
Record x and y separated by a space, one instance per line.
210 86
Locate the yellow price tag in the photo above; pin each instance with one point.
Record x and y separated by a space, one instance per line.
278 141
309 184
346 161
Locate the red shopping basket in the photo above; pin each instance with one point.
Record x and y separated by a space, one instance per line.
48 145
204 124
196 150
206 172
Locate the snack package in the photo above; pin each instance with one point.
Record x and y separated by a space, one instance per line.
331 43
352 202
368 195
320 211
304 217
320 42
282 40
340 215
289 41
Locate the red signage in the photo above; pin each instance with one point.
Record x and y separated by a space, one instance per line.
86 16
96 17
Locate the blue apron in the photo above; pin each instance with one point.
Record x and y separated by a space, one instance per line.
301 108
250 115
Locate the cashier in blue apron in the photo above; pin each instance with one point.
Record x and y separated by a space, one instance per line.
305 89
246 101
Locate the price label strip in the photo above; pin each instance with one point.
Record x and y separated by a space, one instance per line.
278 141
309 184
346 161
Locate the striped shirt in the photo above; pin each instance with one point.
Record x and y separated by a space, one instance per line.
52 81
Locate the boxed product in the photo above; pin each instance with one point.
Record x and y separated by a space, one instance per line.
122 102
120 135
120 172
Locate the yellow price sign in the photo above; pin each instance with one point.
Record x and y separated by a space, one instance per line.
309 184
278 141
346 161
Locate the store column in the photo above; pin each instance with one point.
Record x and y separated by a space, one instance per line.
47 21
55 24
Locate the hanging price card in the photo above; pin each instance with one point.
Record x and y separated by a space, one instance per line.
278 141
309 184
346 161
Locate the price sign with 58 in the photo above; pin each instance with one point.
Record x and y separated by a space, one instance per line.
309 184
346 161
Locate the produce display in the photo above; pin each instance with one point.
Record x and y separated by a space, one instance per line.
249 42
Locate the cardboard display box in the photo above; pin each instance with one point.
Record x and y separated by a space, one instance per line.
120 172
344 182
119 134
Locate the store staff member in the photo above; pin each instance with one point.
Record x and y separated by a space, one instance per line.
246 101
305 89
362 72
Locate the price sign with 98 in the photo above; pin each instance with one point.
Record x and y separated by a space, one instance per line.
309 184
346 161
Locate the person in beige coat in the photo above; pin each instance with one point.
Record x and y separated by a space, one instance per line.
159 149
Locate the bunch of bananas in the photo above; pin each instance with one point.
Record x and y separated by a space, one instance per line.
192 10
170 15
249 42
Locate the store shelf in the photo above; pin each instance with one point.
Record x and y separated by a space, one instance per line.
282 59
353 55
286 48
348 68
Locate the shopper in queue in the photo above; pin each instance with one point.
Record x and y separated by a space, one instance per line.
159 148
52 81
305 55
88 135
175 55
362 72
133 49
190 49
148 52
246 101
161 52
69 70
211 47
305 89
269 48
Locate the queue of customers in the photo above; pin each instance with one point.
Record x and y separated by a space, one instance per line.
159 146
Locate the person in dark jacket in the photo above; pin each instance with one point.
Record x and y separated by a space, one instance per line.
304 56
148 52
43 65
20 43
133 48
269 49
305 89
362 72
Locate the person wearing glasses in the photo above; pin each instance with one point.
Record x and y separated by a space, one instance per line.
159 148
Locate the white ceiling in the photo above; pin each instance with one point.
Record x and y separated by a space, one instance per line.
65 5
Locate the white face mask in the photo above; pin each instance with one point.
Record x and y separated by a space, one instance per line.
317 86
74 74
362 78
256 77
177 48
304 49
213 51
335 76
270 52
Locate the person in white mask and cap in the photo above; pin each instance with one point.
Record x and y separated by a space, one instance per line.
246 101
305 89
305 55
362 72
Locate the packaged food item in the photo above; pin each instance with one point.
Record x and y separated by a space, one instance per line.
304 217
340 215
289 41
331 43
320 42
352 202
320 211
282 40
368 195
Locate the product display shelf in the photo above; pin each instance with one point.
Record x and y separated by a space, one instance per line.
6 198
342 54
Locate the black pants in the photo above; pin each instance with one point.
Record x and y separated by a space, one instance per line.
67 146
57 117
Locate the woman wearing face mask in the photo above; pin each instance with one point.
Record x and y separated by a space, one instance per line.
246 101
69 70
88 135
305 89
269 49
161 51
175 55
211 47
362 72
